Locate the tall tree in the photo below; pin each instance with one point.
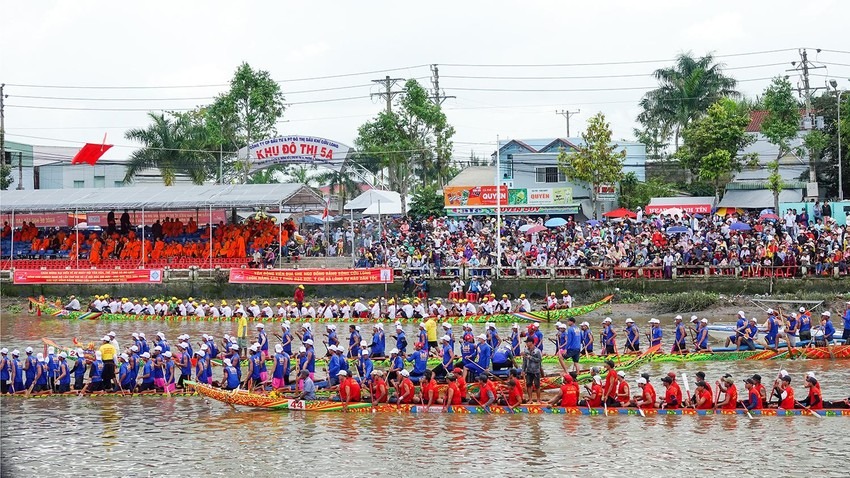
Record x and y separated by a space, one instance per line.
300 174
270 175
596 162
713 142
5 175
685 92
413 141
169 144
340 184
827 166
783 116
775 183
249 111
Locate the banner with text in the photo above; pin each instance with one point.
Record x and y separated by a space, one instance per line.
311 276
295 149
464 196
88 276
461 196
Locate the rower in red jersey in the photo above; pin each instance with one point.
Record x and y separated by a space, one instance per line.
452 392
672 395
461 384
623 397
730 393
568 393
380 391
486 392
760 388
704 399
785 392
515 393
594 395
814 400
609 390
646 398
753 401
406 389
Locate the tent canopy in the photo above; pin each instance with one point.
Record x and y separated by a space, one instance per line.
373 196
384 209
287 196
758 198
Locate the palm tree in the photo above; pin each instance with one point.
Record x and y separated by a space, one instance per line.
685 91
339 183
268 175
300 174
167 145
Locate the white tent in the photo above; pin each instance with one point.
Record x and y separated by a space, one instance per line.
373 197
384 209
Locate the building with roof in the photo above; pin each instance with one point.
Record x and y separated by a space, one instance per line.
534 184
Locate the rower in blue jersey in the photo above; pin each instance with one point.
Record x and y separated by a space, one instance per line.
485 354
213 349
679 344
231 379
52 367
515 351
805 324
468 353
827 329
701 342
632 336
185 364
236 360
655 332
493 339
586 339
609 337
365 367
134 362
30 367
502 359
422 338
537 335
125 376
771 331
334 365
168 372
6 370
40 374
396 366
18 379
255 359
96 376
447 331
379 341
286 338
162 343
561 344
280 372
343 362
330 333
147 373
447 359
201 367
63 376
310 363
400 339
263 340
354 339
846 323
573 343
143 344
419 358
740 325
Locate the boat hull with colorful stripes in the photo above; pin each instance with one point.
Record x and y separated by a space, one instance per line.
243 398
536 316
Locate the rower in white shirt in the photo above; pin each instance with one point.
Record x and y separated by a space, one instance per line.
327 310
114 306
345 310
524 304
254 309
308 311
470 309
407 309
281 310
267 310
182 310
391 309
488 306
190 306
359 308
504 305
566 299
199 311
226 311
73 304
376 309
551 301
419 310
148 309
214 312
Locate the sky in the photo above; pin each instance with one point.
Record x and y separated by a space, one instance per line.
500 60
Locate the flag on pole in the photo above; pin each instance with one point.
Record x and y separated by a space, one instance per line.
90 153
327 205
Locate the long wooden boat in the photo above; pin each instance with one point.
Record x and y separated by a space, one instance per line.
273 402
535 316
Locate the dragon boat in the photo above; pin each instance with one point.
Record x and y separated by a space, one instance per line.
535 316
276 402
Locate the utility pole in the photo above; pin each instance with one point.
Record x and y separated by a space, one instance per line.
2 123
438 98
806 93
20 171
567 114
388 93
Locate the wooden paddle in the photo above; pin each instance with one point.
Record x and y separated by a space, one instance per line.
809 409
749 415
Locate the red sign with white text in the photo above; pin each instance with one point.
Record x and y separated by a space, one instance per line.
311 276
87 276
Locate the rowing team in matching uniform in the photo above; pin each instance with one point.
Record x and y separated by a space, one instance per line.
791 327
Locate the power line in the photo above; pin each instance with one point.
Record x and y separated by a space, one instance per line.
589 77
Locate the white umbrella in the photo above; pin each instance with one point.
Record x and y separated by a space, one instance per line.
525 227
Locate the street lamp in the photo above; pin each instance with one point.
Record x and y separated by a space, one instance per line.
838 92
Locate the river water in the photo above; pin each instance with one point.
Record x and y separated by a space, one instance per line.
190 436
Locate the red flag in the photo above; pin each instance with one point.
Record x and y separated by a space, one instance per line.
90 153
325 212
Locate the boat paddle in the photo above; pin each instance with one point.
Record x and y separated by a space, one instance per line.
747 410
809 409
687 388
165 387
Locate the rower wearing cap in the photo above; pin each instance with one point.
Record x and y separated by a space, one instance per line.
108 354
771 331
419 358
309 357
375 311
524 304
784 392
431 331
201 371
805 329
400 338
672 395
185 364
330 333
334 365
484 354
396 366
623 397
586 339
429 391
551 301
63 375
96 375
406 309
405 390
515 348
632 336
280 373
701 340
448 332
740 327
263 340
827 330
609 337
504 305
468 353
422 337
703 399
814 400
79 369
514 388
681 332
255 359
147 372
378 389
749 335
609 391
353 341
447 360
493 339
726 385
453 390
379 341
365 367
593 398
568 393
486 392
655 333
561 344
230 379
124 380
537 335
349 389
647 397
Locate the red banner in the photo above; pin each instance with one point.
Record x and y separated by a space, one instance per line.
50 219
311 276
88 276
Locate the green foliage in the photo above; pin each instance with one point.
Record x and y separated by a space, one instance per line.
712 143
168 143
5 175
248 111
270 175
775 183
339 184
634 193
426 202
783 115
596 162
685 92
412 142
684 302
826 105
